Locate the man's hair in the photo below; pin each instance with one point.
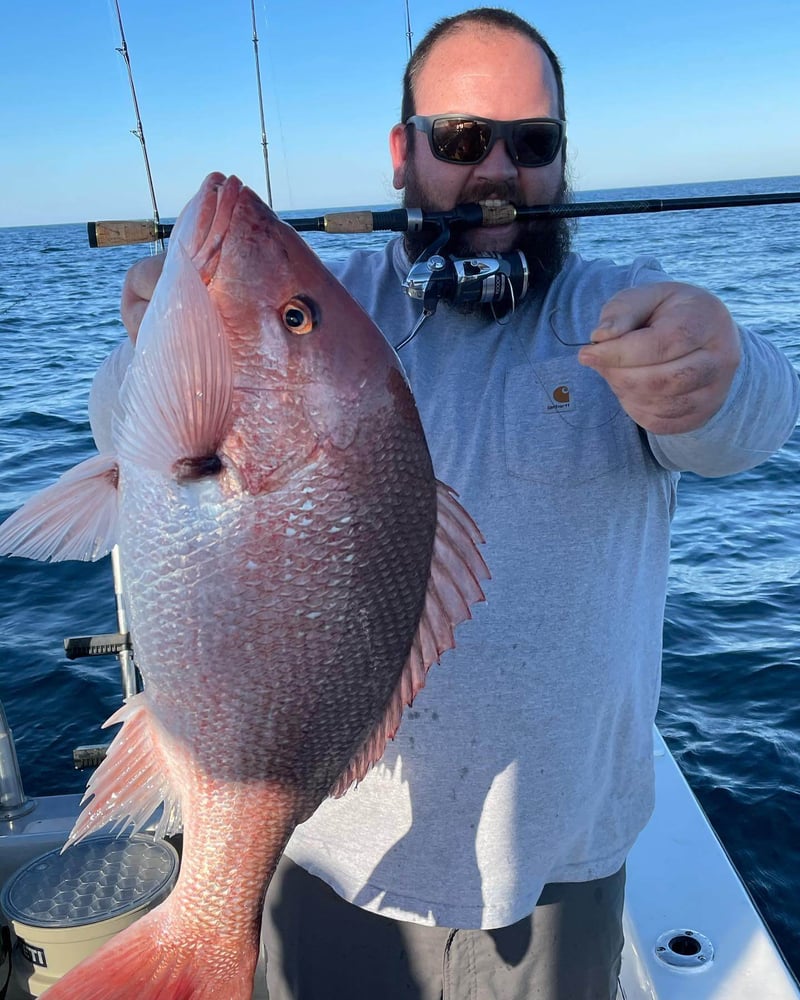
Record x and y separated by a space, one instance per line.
488 17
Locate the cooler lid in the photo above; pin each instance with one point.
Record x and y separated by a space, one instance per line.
96 879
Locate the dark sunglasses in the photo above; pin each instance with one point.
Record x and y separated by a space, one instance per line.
531 142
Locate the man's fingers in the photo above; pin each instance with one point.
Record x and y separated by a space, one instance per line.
668 351
654 345
137 290
630 309
660 382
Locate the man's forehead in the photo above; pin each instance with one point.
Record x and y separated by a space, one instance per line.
476 62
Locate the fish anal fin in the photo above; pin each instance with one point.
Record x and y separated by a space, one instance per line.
132 781
457 567
75 518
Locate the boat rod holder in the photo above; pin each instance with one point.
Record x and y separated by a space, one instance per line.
13 800
406 220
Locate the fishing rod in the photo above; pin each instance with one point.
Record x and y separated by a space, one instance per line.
261 104
408 31
139 130
406 220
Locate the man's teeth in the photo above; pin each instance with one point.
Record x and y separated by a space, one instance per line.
493 203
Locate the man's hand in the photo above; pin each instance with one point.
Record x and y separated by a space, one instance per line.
669 351
137 291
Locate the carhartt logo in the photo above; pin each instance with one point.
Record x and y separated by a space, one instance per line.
560 399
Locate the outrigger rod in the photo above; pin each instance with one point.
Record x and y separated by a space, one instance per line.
403 220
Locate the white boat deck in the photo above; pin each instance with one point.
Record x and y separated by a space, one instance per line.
679 879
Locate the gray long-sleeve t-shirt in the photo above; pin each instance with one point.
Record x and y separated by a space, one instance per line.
527 758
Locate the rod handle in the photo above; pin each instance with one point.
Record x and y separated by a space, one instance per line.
123 233
360 221
349 222
498 215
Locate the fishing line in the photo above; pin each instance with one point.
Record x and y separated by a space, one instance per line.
451 294
563 415
505 318
620 411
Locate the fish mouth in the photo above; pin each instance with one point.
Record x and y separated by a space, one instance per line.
211 211
205 221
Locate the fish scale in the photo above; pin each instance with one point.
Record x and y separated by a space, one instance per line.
291 569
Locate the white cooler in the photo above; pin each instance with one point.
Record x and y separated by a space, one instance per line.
62 907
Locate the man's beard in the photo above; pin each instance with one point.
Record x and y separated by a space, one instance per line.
545 242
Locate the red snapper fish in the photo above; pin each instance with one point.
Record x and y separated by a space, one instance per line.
291 567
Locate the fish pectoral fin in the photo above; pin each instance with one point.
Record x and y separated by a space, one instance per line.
457 567
175 401
133 780
75 518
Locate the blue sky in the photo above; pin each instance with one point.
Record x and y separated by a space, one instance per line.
656 94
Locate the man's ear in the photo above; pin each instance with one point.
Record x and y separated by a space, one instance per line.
398 147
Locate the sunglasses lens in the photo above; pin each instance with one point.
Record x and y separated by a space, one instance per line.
537 143
468 140
460 140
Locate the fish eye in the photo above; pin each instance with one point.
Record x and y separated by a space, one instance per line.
300 315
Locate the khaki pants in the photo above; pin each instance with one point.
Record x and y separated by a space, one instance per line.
320 947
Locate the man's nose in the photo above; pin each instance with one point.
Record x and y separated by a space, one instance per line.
498 165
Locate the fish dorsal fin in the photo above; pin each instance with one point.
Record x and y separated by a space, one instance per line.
175 402
75 518
457 567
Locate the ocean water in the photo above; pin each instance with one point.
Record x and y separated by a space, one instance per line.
730 708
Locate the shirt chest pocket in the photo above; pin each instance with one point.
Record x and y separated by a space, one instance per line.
563 425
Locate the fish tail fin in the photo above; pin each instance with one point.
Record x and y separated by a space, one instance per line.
149 961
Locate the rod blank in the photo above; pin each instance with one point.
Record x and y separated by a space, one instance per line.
593 208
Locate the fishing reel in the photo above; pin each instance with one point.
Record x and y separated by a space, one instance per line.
499 280
493 278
